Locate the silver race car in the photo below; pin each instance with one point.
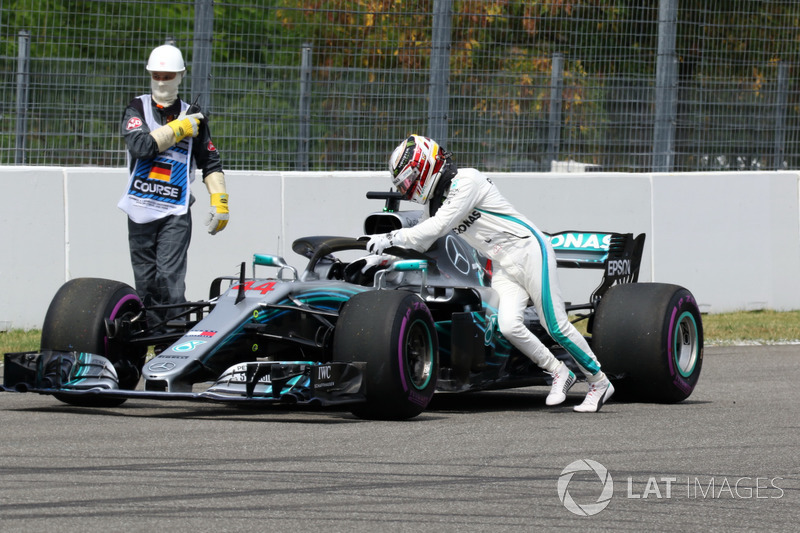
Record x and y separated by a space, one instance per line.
375 339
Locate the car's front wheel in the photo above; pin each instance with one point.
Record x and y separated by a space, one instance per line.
394 333
76 321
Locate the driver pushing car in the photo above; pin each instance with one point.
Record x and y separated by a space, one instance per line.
466 202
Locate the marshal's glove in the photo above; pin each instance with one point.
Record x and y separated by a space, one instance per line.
197 116
217 219
177 130
188 126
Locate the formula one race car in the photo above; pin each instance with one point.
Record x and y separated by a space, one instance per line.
379 340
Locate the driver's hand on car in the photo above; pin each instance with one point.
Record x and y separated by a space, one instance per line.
381 241
376 261
362 271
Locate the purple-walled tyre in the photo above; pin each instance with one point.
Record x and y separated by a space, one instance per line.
394 333
650 335
76 321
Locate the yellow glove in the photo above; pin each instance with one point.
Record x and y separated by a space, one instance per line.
218 217
185 127
177 130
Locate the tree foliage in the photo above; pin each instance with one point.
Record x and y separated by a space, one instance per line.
500 70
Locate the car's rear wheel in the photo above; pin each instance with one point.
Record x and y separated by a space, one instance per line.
651 335
394 333
76 321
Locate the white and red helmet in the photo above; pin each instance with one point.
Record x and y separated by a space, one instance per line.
416 166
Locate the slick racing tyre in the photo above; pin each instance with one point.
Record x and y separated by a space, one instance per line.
75 321
651 336
394 333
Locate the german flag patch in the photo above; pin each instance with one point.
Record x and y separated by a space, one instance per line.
160 171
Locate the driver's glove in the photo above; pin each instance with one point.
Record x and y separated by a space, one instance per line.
381 241
376 261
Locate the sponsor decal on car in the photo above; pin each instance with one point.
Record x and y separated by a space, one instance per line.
161 366
581 241
201 333
187 346
618 267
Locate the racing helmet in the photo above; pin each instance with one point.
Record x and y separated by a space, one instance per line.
166 58
416 165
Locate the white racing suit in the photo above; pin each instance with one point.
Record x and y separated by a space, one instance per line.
523 262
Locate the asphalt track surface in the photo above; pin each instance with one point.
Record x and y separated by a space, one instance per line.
727 459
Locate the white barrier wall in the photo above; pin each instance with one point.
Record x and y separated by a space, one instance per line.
733 239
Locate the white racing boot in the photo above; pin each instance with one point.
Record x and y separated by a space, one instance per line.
563 379
599 393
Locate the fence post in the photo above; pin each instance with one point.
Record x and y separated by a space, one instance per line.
23 84
780 116
666 88
556 101
304 135
201 54
440 71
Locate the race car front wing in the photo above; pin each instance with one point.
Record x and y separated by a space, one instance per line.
278 382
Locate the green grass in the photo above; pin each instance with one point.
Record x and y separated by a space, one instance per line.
750 327
17 340
757 327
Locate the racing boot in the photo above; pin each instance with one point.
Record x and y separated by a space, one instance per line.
563 379
599 393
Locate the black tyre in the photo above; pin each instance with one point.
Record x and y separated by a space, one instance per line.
651 334
394 333
75 321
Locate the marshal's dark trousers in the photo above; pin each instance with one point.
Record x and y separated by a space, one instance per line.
158 257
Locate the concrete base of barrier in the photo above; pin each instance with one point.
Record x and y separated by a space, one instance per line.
732 238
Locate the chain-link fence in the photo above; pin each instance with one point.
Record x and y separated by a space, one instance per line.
507 85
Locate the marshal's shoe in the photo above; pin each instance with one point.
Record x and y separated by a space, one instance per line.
599 393
563 379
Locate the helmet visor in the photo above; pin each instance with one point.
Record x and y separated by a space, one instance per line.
406 180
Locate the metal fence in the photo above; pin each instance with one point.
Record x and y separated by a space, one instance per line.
507 85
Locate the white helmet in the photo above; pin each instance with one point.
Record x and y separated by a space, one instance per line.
416 166
166 58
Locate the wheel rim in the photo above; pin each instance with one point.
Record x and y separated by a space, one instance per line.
128 360
419 355
685 344
128 304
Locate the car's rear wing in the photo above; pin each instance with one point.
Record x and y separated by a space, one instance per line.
619 254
